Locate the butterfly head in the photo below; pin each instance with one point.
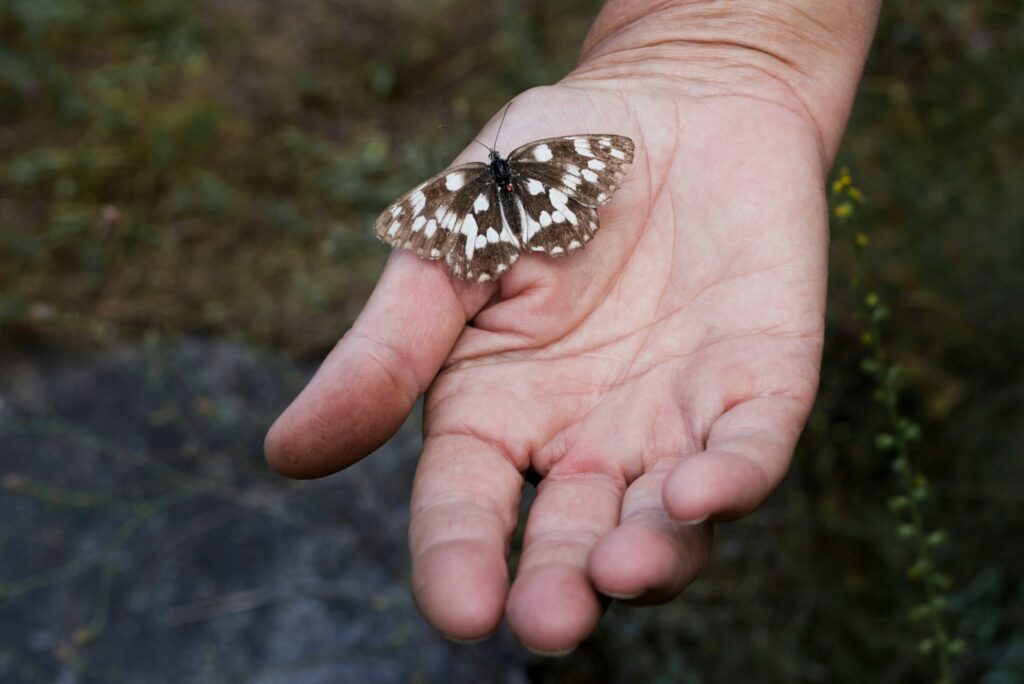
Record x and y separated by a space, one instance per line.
501 171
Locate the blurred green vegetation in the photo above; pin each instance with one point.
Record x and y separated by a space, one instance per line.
214 167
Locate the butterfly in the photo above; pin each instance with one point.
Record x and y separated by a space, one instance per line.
479 217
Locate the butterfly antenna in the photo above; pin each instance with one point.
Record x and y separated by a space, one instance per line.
474 139
502 123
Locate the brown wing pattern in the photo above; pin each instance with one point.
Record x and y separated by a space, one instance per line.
483 246
553 222
587 168
426 218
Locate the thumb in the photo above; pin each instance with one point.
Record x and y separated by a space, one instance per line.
370 381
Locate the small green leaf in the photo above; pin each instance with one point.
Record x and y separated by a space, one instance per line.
919 612
911 431
870 366
906 531
884 441
898 503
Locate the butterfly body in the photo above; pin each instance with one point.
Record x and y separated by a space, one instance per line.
480 217
502 171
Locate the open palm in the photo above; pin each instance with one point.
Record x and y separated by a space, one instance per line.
655 380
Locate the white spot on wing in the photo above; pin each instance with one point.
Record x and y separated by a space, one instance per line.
454 181
419 223
559 200
534 228
582 146
590 175
596 164
542 153
492 236
435 253
618 154
527 225
545 219
393 230
575 244
431 228
534 187
481 203
557 250
469 229
481 240
418 200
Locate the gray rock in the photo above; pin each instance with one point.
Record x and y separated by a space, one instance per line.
145 540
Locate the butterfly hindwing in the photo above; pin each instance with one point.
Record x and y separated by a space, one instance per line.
554 222
484 245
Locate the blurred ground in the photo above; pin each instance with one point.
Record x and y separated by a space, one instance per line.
186 189
150 544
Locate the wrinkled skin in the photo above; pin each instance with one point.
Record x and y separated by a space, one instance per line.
652 384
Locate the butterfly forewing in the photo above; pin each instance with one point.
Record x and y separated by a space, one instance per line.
587 168
426 218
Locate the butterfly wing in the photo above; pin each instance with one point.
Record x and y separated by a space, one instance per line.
562 181
552 222
558 184
453 216
485 246
424 219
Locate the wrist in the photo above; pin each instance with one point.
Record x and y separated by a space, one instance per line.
805 55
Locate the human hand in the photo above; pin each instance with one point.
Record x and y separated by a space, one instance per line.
651 384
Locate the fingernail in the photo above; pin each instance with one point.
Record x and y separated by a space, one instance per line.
620 597
466 642
696 521
551 654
